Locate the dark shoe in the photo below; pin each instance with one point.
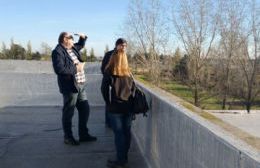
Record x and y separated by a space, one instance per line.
116 164
87 138
71 141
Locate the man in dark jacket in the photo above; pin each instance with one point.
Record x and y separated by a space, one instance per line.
69 67
103 65
105 61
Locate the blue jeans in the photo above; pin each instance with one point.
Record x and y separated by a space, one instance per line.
121 125
70 101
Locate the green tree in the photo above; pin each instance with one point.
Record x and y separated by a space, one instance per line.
177 56
92 55
36 56
17 52
4 51
181 68
84 54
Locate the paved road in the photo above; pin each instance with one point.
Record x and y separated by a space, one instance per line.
246 122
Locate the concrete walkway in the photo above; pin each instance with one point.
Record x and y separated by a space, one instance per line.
30 121
31 137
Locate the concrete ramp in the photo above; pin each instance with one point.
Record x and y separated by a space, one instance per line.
30 121
32 137
33 83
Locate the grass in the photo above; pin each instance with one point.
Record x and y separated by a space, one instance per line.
178 90
184 92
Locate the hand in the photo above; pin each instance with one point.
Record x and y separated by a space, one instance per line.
80 66
82 35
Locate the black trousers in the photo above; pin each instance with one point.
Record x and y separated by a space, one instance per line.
70 101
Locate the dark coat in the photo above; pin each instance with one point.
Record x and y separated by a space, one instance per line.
65 68
106 60
118 99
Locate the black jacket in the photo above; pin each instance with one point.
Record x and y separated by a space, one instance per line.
106 60
65 68
118 99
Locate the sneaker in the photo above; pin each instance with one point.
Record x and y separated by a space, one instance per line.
71 141
87 138
116 164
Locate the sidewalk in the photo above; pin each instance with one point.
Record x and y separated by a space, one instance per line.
241 119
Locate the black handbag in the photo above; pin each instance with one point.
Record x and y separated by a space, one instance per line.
140 105
139 102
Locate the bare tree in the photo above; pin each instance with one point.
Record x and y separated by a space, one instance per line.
29 51
106 49
148 34
46 51
249 60
232 19
196 23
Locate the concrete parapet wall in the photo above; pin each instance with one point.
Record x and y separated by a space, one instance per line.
174 137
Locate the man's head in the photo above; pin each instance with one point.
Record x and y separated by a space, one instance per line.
121 45
66 39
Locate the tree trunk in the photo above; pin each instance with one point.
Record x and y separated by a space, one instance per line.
248 100
224 101
196 96
248 106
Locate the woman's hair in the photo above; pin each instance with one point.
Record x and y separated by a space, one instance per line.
118 64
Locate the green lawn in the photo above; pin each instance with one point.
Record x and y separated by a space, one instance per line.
184 92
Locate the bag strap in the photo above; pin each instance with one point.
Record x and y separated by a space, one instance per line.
134 83
135 87
132 76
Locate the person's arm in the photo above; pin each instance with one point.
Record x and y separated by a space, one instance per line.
59 65
80 66
105 61
106 81
81 43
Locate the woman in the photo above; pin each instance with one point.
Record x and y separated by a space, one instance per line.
117 75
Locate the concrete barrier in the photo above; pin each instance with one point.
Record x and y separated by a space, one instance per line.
174 137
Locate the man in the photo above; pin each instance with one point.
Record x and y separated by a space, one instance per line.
69 67
105 61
